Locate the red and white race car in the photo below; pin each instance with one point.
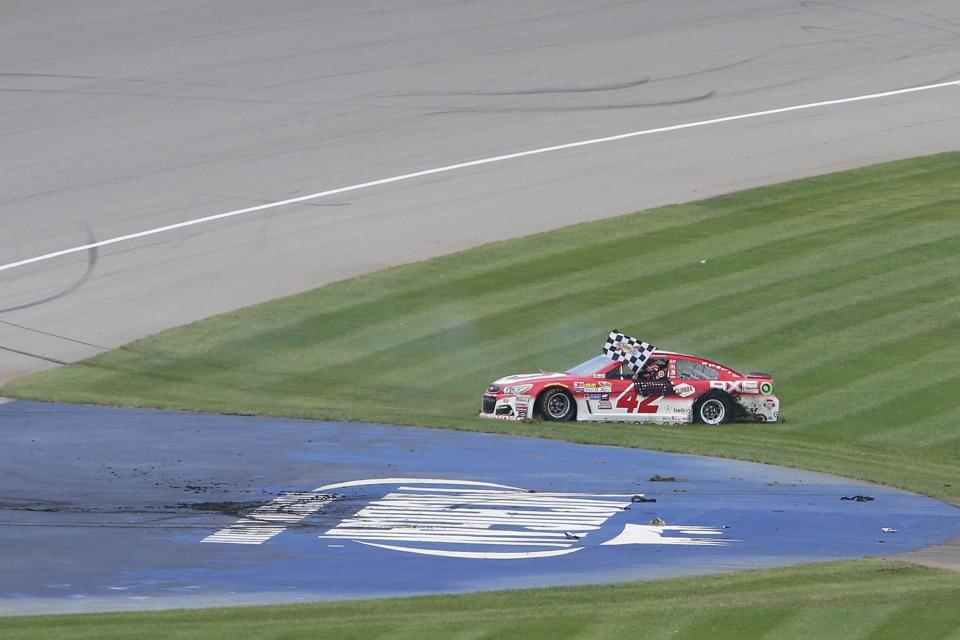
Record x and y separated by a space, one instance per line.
671 388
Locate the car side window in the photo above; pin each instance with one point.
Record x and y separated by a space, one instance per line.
690 370
623 372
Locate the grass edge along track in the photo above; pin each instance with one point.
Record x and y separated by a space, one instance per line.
848 600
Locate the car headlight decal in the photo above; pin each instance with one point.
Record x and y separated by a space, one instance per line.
518 389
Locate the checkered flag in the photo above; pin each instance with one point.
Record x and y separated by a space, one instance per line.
623 348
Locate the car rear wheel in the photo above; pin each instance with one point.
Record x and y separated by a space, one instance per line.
556 405
713 409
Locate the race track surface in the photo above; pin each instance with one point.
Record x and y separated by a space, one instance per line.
111 509
117 116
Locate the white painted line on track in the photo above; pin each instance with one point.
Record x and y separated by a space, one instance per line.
468 164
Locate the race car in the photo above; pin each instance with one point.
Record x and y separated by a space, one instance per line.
665 388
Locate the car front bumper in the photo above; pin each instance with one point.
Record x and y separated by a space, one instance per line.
503 407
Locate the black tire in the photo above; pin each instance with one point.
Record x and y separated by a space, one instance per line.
713 409
556 405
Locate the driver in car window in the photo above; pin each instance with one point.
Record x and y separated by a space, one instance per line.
655 370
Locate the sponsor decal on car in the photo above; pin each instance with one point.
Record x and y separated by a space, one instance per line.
605 404
592 387
514 390
597 387
766 388
522 408
467 519
736 386
684 390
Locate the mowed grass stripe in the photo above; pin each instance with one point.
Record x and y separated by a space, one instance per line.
844 286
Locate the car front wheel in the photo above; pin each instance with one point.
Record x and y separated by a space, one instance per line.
557 405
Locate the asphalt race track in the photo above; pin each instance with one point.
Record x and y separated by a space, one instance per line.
106 509
119 116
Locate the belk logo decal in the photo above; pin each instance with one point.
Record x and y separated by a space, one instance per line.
467 519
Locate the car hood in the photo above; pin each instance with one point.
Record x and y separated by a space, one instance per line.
529 377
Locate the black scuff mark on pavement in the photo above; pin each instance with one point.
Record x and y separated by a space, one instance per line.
528 92
53 335
589 107
65 76
723 67
160 96
855 39
92 258
4 74
939 18
831 9
659 478
38 356
10 503
230 508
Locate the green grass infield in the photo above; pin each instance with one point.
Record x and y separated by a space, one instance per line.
848 600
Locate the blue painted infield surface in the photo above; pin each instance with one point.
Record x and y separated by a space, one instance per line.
104 509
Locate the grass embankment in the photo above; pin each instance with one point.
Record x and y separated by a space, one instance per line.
846 287
846 600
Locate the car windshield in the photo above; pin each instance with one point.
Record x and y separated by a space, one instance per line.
590 367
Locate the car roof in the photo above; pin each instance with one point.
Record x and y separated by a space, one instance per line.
675 354
660 352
